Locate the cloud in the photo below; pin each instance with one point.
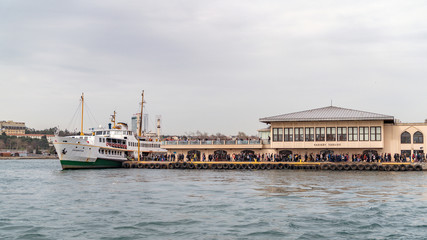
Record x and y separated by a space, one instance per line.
214 66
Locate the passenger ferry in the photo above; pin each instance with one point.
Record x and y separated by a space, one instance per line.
105 148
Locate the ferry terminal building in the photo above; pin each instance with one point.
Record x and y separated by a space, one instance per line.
328 130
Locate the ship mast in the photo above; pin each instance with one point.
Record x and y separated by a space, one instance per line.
113 119
83 100
140 126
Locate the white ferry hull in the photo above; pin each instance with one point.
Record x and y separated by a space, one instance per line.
76 153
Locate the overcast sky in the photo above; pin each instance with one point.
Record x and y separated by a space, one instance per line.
213 66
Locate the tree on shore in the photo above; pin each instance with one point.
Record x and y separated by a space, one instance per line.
51 131
242 135
198 135
24 143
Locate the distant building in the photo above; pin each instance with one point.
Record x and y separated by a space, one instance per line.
12 128
135 123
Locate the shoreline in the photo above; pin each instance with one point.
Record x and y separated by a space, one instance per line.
28 158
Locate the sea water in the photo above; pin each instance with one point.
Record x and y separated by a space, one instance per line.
38 200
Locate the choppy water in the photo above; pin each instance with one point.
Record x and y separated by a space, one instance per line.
40 201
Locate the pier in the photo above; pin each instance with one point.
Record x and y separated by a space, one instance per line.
225 165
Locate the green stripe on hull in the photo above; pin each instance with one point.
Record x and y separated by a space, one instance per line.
99 163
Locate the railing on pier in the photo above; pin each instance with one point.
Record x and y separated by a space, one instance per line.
216 142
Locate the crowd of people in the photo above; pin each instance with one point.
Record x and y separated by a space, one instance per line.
366 157
269 157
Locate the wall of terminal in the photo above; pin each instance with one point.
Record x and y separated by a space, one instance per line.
338 134
406 138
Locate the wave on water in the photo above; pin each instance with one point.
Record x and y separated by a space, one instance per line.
39 201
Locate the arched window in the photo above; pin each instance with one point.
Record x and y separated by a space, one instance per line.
418 137
370 152
285 155
248 152
220 154
405 137
193 154
326 152
285 152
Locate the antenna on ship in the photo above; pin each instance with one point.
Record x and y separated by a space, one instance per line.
83 100
113 119
140 127
158 120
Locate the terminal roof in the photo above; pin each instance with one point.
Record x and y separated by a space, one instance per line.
330 113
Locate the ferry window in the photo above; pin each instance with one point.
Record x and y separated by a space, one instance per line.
352 134
277 134
418 137
331 134
375 133
309 134
100 140
342 133
364 133
320 134
299 134
98 133
289 134
405 137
